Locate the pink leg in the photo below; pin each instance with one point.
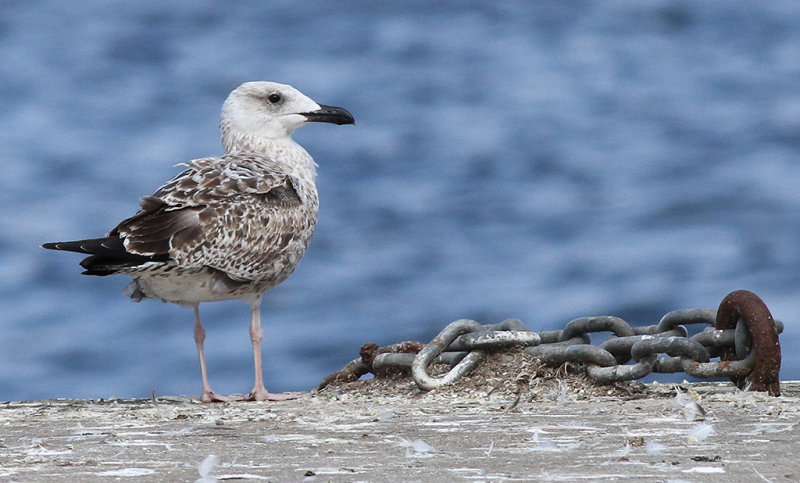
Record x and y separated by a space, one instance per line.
259 392
199 338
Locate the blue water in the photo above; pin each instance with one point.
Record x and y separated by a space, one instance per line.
543 160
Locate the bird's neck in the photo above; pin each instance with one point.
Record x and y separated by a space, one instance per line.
284 151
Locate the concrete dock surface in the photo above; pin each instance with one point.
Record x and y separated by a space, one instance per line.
640 432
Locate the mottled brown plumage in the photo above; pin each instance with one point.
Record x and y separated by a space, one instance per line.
239 215
228 227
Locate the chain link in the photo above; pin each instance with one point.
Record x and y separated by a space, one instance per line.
658 348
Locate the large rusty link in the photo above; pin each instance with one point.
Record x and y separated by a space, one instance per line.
742 305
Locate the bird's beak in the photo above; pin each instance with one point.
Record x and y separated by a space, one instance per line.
332 114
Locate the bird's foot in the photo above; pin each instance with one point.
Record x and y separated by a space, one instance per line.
211 396
264 395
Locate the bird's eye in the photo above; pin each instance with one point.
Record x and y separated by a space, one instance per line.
274 98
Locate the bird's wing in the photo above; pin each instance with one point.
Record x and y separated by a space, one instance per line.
234 214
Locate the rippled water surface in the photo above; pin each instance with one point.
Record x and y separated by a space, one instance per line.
543 160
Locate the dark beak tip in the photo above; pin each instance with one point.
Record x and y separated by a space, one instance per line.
331 114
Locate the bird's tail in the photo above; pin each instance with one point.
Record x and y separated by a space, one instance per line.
107 255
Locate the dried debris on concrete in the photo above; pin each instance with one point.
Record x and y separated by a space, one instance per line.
557 429
510 375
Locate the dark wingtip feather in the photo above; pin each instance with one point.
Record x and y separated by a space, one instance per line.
107 255
70 246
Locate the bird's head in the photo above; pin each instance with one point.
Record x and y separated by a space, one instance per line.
267 111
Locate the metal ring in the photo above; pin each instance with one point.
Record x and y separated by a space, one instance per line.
437 346
605 375
677 318
494 339
603 323
763 330
674 346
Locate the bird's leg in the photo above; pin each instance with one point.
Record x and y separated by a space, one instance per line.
259 392
199 338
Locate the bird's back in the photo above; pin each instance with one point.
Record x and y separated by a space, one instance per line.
223 228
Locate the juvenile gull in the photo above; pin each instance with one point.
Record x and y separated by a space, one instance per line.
229 227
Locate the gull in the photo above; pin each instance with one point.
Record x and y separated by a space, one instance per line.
228 227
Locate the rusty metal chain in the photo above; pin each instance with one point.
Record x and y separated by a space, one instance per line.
742 334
